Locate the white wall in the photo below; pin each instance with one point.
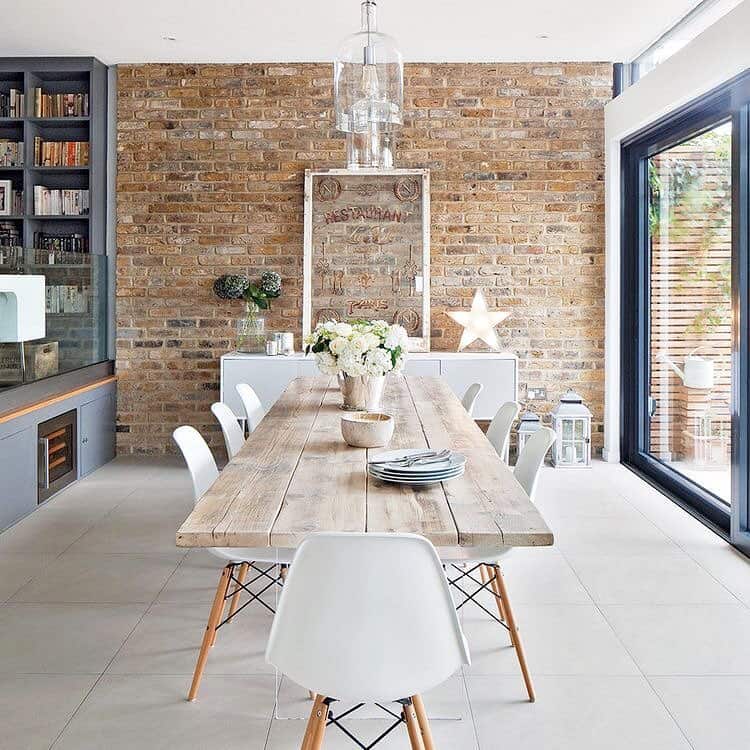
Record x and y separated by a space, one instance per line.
717 55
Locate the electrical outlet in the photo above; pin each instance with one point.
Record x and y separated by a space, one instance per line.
536 394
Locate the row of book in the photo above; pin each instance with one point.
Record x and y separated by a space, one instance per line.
10 234
60 202
72 243
60 153
67 298
11 153
60 105
11 104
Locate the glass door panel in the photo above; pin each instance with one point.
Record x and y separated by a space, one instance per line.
690 309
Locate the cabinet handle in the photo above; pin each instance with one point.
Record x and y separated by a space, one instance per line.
43 470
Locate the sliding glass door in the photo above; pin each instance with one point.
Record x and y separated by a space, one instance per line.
684 292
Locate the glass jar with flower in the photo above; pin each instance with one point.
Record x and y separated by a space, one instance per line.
251 328
361 353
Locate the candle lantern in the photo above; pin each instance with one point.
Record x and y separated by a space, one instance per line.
571 421
528 425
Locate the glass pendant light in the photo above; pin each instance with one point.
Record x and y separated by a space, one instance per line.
369 93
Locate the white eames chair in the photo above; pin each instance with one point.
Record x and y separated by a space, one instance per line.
498 433
234 438
203 472
370 634
470 397
254 411
531 459
526 472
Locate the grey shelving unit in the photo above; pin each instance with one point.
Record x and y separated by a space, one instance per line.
83 337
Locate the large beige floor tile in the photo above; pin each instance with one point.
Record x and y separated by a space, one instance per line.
16 570
46 533
168 639
728 566
712 711
655 579
625 536
573 713
35 708
119 579
138 527
95 499
63 638
128 712
559 640
700 639
534 575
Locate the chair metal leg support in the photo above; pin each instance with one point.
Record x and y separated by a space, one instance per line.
236 598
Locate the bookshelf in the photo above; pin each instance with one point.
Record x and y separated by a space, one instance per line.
82 336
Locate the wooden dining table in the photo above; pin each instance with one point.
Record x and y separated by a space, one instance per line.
295 476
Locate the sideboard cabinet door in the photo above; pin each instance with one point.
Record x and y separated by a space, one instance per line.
18 488
97 433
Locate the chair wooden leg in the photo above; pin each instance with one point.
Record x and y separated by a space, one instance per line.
424 723
312 723
496 591
513 629
236 598
412 727
321 719
217 608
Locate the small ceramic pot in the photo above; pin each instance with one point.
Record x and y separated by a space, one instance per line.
363 429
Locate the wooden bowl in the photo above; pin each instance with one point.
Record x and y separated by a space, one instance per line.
365 429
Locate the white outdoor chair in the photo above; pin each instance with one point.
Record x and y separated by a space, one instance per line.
234 438
203 472
467 561
254 411
370 634
470 397
498 433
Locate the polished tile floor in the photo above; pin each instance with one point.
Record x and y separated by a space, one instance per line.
636 625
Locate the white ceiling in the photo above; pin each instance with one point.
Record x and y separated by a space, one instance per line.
309 30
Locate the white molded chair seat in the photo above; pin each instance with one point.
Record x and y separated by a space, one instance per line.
382 628
470 397
498 433
254 411
234 438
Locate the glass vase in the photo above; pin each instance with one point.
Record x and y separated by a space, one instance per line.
251 331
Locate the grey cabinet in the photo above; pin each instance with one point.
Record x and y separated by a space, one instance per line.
18 489
96 430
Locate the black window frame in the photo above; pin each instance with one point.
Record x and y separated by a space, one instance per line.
731 101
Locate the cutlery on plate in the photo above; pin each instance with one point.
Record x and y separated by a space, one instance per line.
415 459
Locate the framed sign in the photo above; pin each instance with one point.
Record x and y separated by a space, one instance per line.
367 249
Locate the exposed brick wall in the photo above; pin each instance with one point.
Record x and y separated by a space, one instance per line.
211 160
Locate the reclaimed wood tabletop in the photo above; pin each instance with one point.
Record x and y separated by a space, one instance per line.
295 475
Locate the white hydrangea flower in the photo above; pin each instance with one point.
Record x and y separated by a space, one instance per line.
371 341
350 362
399 364
327 363
378 362
343 329
396 336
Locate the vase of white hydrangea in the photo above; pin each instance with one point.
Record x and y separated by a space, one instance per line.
361 354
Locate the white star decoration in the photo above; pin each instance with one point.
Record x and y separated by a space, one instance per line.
479 323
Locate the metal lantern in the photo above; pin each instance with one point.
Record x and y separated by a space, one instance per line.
571 421
528 425
369 93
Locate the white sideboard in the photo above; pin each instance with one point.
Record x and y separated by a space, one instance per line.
269 376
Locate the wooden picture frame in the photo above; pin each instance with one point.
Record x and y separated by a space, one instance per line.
367 248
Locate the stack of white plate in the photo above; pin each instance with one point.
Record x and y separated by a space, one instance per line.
393 466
